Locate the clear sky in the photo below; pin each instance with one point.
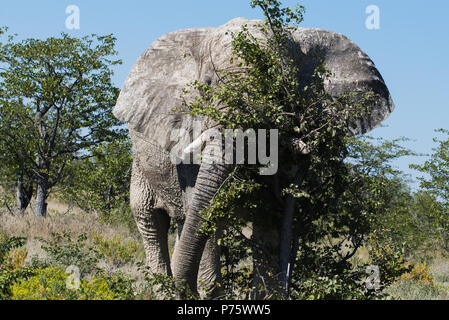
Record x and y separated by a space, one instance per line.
410 49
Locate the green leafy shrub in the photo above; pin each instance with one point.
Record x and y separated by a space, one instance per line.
12 259
45 279
63 251
51 284
319 275
118 250
9 277
238 279
15 259
420 273
7 244
164 287
433 198
121 284
390 260
338 287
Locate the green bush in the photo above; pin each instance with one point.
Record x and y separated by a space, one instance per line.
389 257
118 250
121 285
51 284
7 244
420 272
9 277
164 287
329 288
12 258
63 251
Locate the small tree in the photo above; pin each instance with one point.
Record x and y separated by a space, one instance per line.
101 182
14 175
56 99
14 172
432 202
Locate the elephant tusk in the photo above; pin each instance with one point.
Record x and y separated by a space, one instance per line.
195 145
198 143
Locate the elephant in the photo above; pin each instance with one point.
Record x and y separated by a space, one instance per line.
161 189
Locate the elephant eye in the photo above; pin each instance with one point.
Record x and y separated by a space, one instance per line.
208 80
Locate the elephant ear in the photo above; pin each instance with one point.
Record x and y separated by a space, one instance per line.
351 70
155 85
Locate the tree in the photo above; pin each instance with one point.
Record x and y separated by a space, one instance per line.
14 176
265 93
432 202
14 172
101 182
361 202
56 97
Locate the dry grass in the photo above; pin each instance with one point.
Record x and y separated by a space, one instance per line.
436 287
61 219
439 269
415 290
30 226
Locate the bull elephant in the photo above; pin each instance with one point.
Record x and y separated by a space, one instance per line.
161 189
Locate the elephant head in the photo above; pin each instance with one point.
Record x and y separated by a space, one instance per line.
155 87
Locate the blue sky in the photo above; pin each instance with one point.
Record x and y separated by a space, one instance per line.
410 49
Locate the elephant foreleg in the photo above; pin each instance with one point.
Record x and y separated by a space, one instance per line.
152 221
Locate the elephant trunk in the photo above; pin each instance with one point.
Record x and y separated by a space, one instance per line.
188 252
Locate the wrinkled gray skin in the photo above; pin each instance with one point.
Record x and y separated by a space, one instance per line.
161 190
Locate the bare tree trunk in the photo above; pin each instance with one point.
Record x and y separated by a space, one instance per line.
109 199
40 209
285 246
293 256
24 194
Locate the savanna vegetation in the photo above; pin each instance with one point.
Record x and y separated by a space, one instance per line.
357 230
